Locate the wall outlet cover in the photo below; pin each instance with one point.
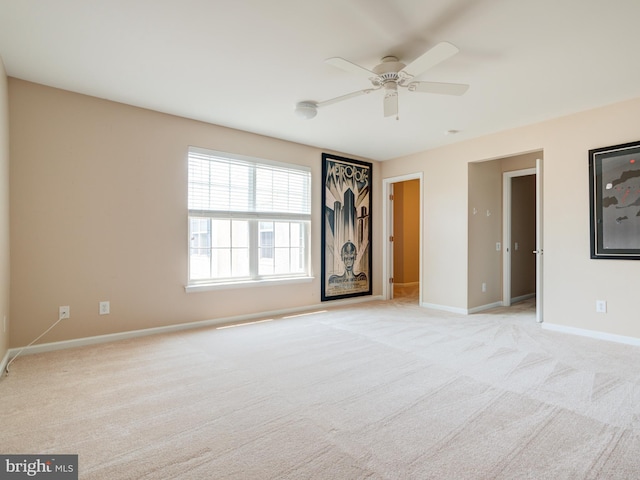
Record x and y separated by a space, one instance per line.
105 308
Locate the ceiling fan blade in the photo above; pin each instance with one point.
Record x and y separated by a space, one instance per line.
391 105
431 58
439 88
350 67
345 97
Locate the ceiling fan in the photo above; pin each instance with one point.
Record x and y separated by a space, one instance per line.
390 75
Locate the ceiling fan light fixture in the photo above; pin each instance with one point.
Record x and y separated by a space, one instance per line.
306 110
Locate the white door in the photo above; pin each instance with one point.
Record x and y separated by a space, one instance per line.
390 218
506 240
539 247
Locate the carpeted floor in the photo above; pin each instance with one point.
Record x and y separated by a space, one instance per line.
381 390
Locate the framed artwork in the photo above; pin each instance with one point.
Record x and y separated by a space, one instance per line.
614 190
346 227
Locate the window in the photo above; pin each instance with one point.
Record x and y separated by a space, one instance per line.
248 219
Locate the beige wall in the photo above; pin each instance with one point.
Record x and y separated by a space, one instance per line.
99 212
4 213
406 232
572 281
485 230
444 234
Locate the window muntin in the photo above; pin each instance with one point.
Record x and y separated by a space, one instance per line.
248 219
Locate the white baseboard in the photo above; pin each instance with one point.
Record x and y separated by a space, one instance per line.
113 337
445 308
522 298
462 311
482 308
4 362
610 337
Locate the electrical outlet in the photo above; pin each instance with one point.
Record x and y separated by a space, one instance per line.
498 246
601 306
64 312
105 308
484 287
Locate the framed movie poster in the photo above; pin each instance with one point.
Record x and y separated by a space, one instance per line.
346 227
614 175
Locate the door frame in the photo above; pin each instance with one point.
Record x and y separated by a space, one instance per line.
387 231
507 177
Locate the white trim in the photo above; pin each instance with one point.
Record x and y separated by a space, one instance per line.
539 241
462 311
610 337
445 308
113 337
482 308
4 362
521 298
205 287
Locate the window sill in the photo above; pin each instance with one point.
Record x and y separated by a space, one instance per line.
205 287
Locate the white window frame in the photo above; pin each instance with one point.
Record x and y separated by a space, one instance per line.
254 218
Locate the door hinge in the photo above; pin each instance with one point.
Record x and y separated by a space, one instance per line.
391 238
390 279
391 196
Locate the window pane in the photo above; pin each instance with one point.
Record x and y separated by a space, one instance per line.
221 263
297 260
265 248
296 235
282 234
240 248
221 233
199 251
230 249
240 262
200 263
282 261
240 233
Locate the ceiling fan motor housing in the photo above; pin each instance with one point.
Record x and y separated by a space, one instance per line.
388 76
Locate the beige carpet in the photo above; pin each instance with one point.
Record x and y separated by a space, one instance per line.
383 390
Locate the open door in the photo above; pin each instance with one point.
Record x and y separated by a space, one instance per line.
539 247
389 240
507 240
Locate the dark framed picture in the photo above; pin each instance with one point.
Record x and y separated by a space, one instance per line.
346 227
614 190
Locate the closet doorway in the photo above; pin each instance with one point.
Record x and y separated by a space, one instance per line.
403 232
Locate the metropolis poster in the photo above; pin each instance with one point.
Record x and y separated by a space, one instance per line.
346 227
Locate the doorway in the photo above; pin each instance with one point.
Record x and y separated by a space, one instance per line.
403 226
522 237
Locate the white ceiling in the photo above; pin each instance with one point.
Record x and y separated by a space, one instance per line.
245 63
